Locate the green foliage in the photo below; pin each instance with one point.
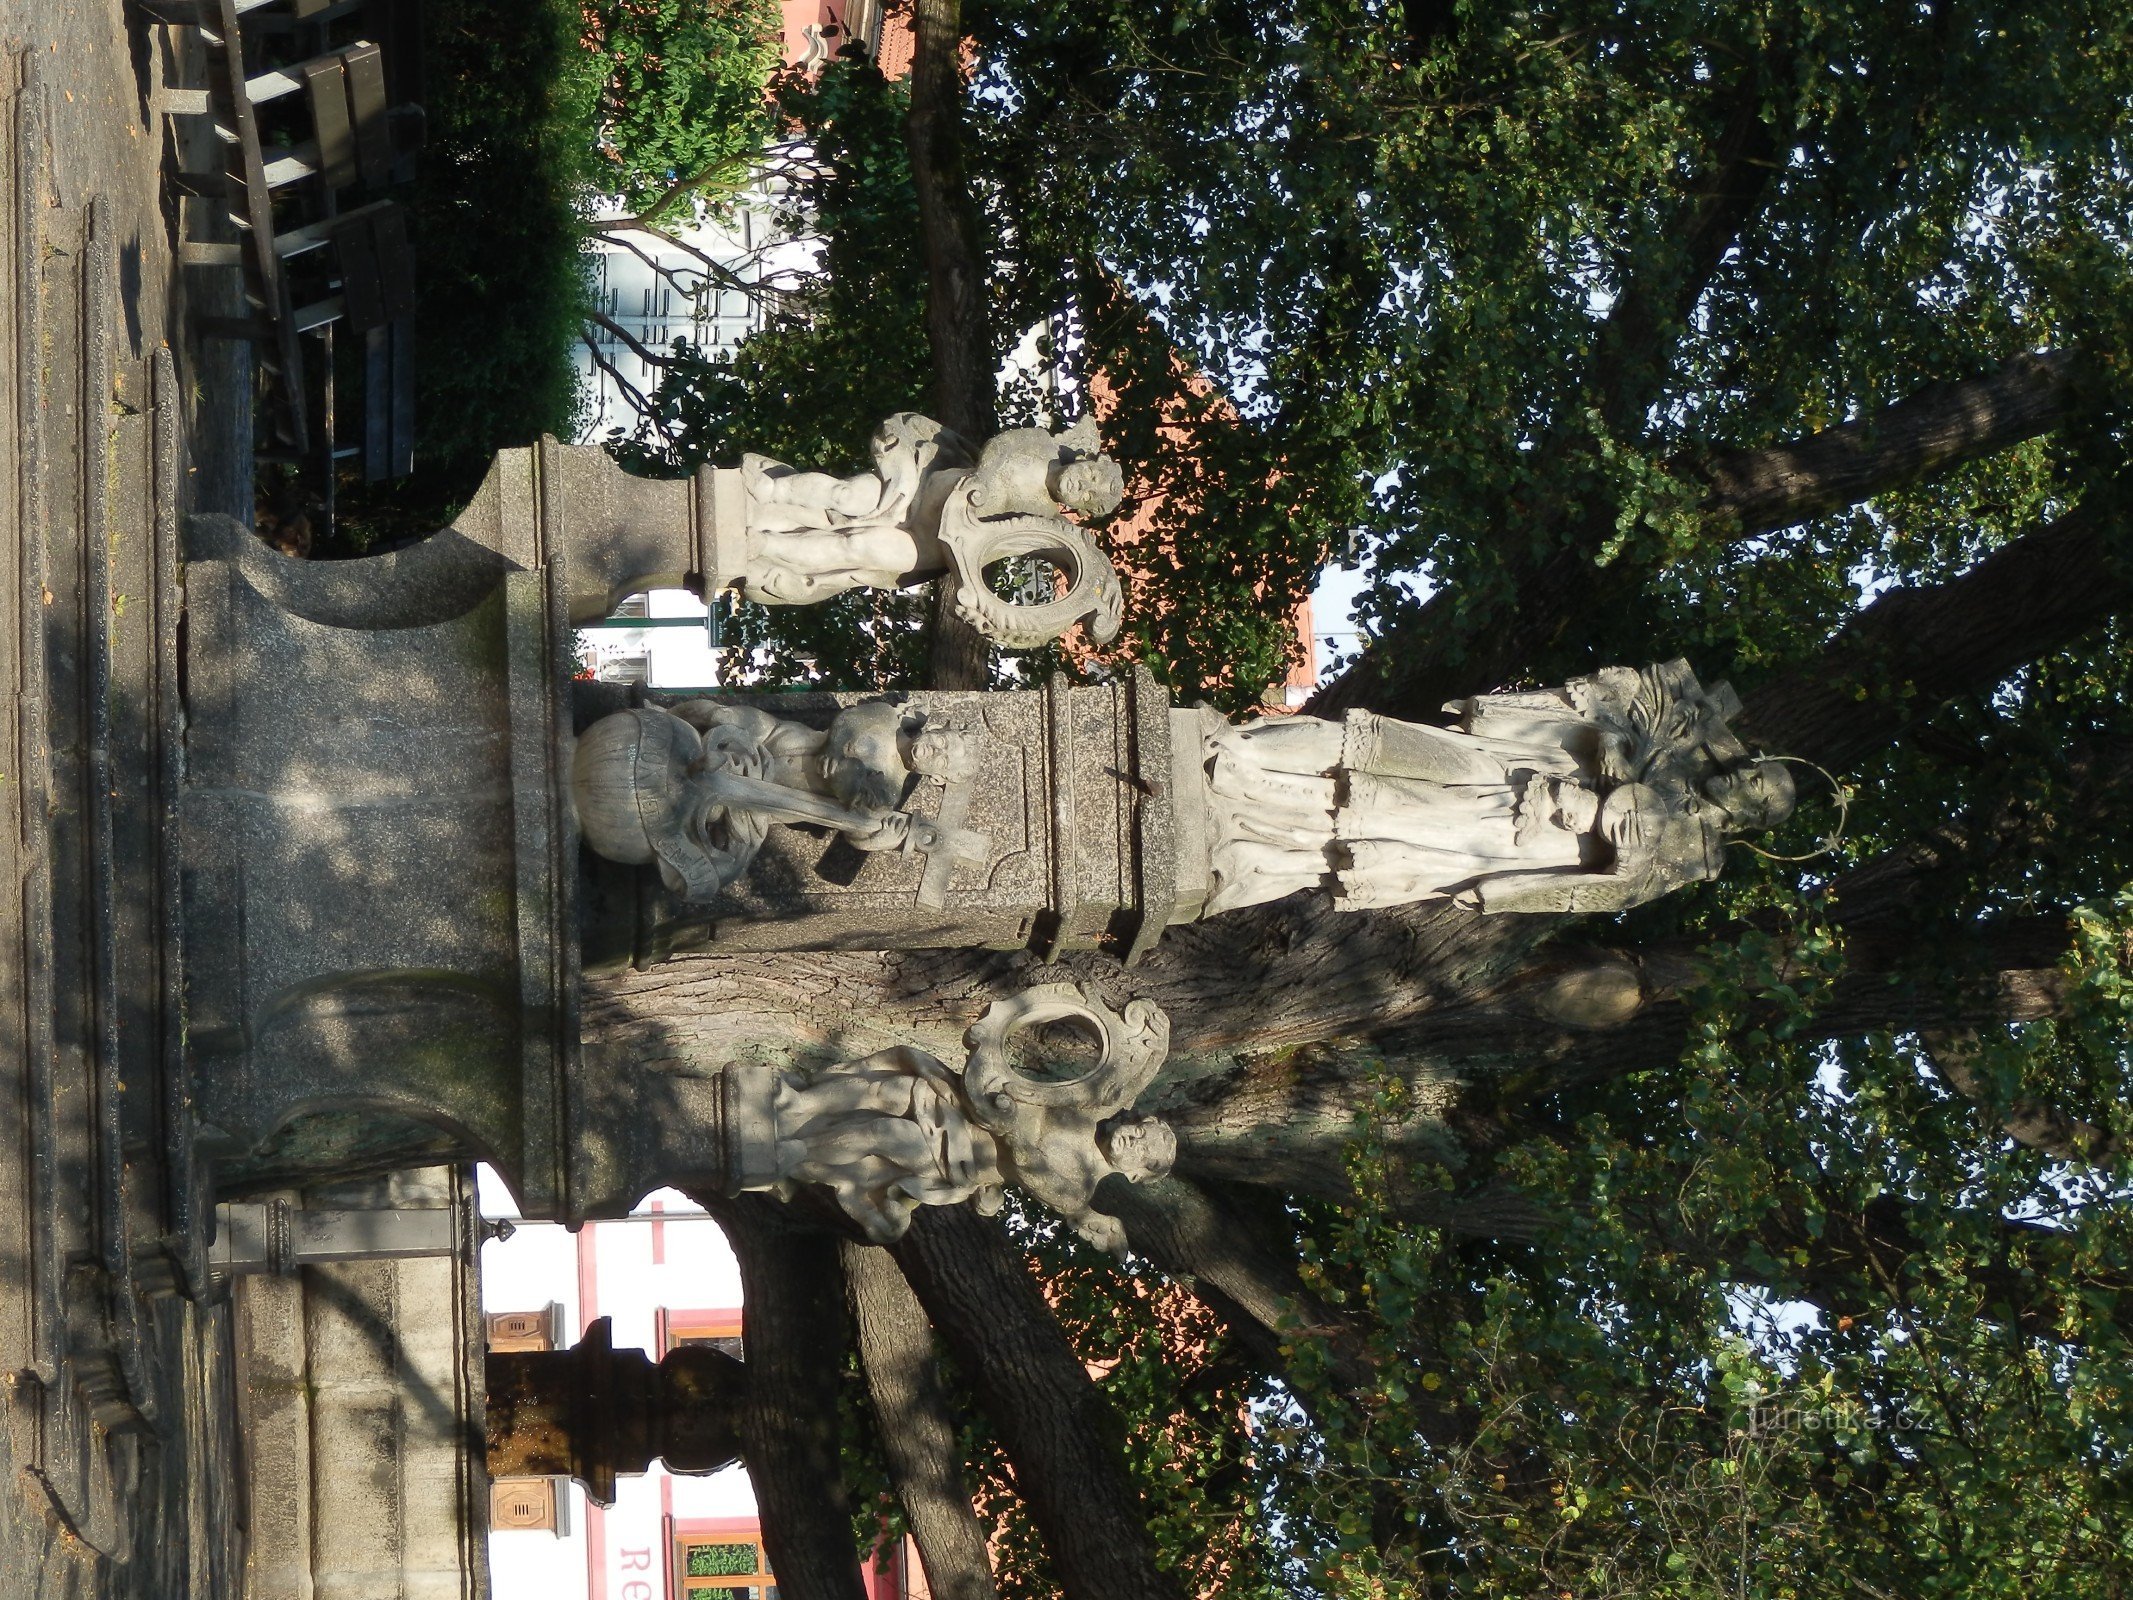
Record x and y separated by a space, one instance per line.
1643 1402
682 111
1392 235
495 222
836 355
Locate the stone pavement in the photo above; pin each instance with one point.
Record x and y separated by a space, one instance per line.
115 1360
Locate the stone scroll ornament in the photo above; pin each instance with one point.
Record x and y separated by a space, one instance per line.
934 504
899 1129
1596 796
695 790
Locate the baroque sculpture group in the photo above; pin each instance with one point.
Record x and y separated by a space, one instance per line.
1596 796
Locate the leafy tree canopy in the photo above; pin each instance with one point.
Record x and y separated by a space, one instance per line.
1792 338
681 109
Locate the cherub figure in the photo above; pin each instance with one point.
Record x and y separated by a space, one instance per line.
895 1130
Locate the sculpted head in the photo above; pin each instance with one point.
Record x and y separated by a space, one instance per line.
1753 797
1093 486
938 748
862 758
1140 1148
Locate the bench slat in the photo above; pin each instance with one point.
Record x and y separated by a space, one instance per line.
326 84
366 97
396 262
389 401
360 280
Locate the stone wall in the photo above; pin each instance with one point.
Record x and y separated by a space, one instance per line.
360 1416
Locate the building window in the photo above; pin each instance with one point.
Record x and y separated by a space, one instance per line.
723 1560
720 1329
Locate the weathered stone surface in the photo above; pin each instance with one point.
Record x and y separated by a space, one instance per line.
374 824
362 1414
1596 796
1068 789
934 506
899 1129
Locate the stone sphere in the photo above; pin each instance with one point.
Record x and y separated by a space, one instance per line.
628 780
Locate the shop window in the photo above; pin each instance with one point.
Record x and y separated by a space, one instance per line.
720 1329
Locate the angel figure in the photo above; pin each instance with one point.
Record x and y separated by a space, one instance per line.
886 1134
812 534
897 1129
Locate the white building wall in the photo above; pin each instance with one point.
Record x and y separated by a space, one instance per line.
679 299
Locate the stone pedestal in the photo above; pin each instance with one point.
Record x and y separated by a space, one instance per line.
1071 792
379 889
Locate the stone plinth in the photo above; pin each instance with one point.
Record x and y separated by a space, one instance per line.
379 879
1071 792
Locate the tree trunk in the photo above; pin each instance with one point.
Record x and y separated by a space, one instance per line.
793 1330
917 1432
1054 1424
1253 1286
958 323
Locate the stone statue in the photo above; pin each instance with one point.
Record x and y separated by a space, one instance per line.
886 1134
897 1129
1596 796
696 789
935 504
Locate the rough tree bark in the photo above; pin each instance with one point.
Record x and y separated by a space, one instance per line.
1954 1054
918 1433
793 1327
1942 425
1256 1290
1055 1425
1912 650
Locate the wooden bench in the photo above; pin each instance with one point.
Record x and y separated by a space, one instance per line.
359 138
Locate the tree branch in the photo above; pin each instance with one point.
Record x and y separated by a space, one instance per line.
918 1434
1858 1262
1954 1055
1255 1290
1058 1431
637 347
1900 659
1636 343
1942 425
616 230
1750 492
638 399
